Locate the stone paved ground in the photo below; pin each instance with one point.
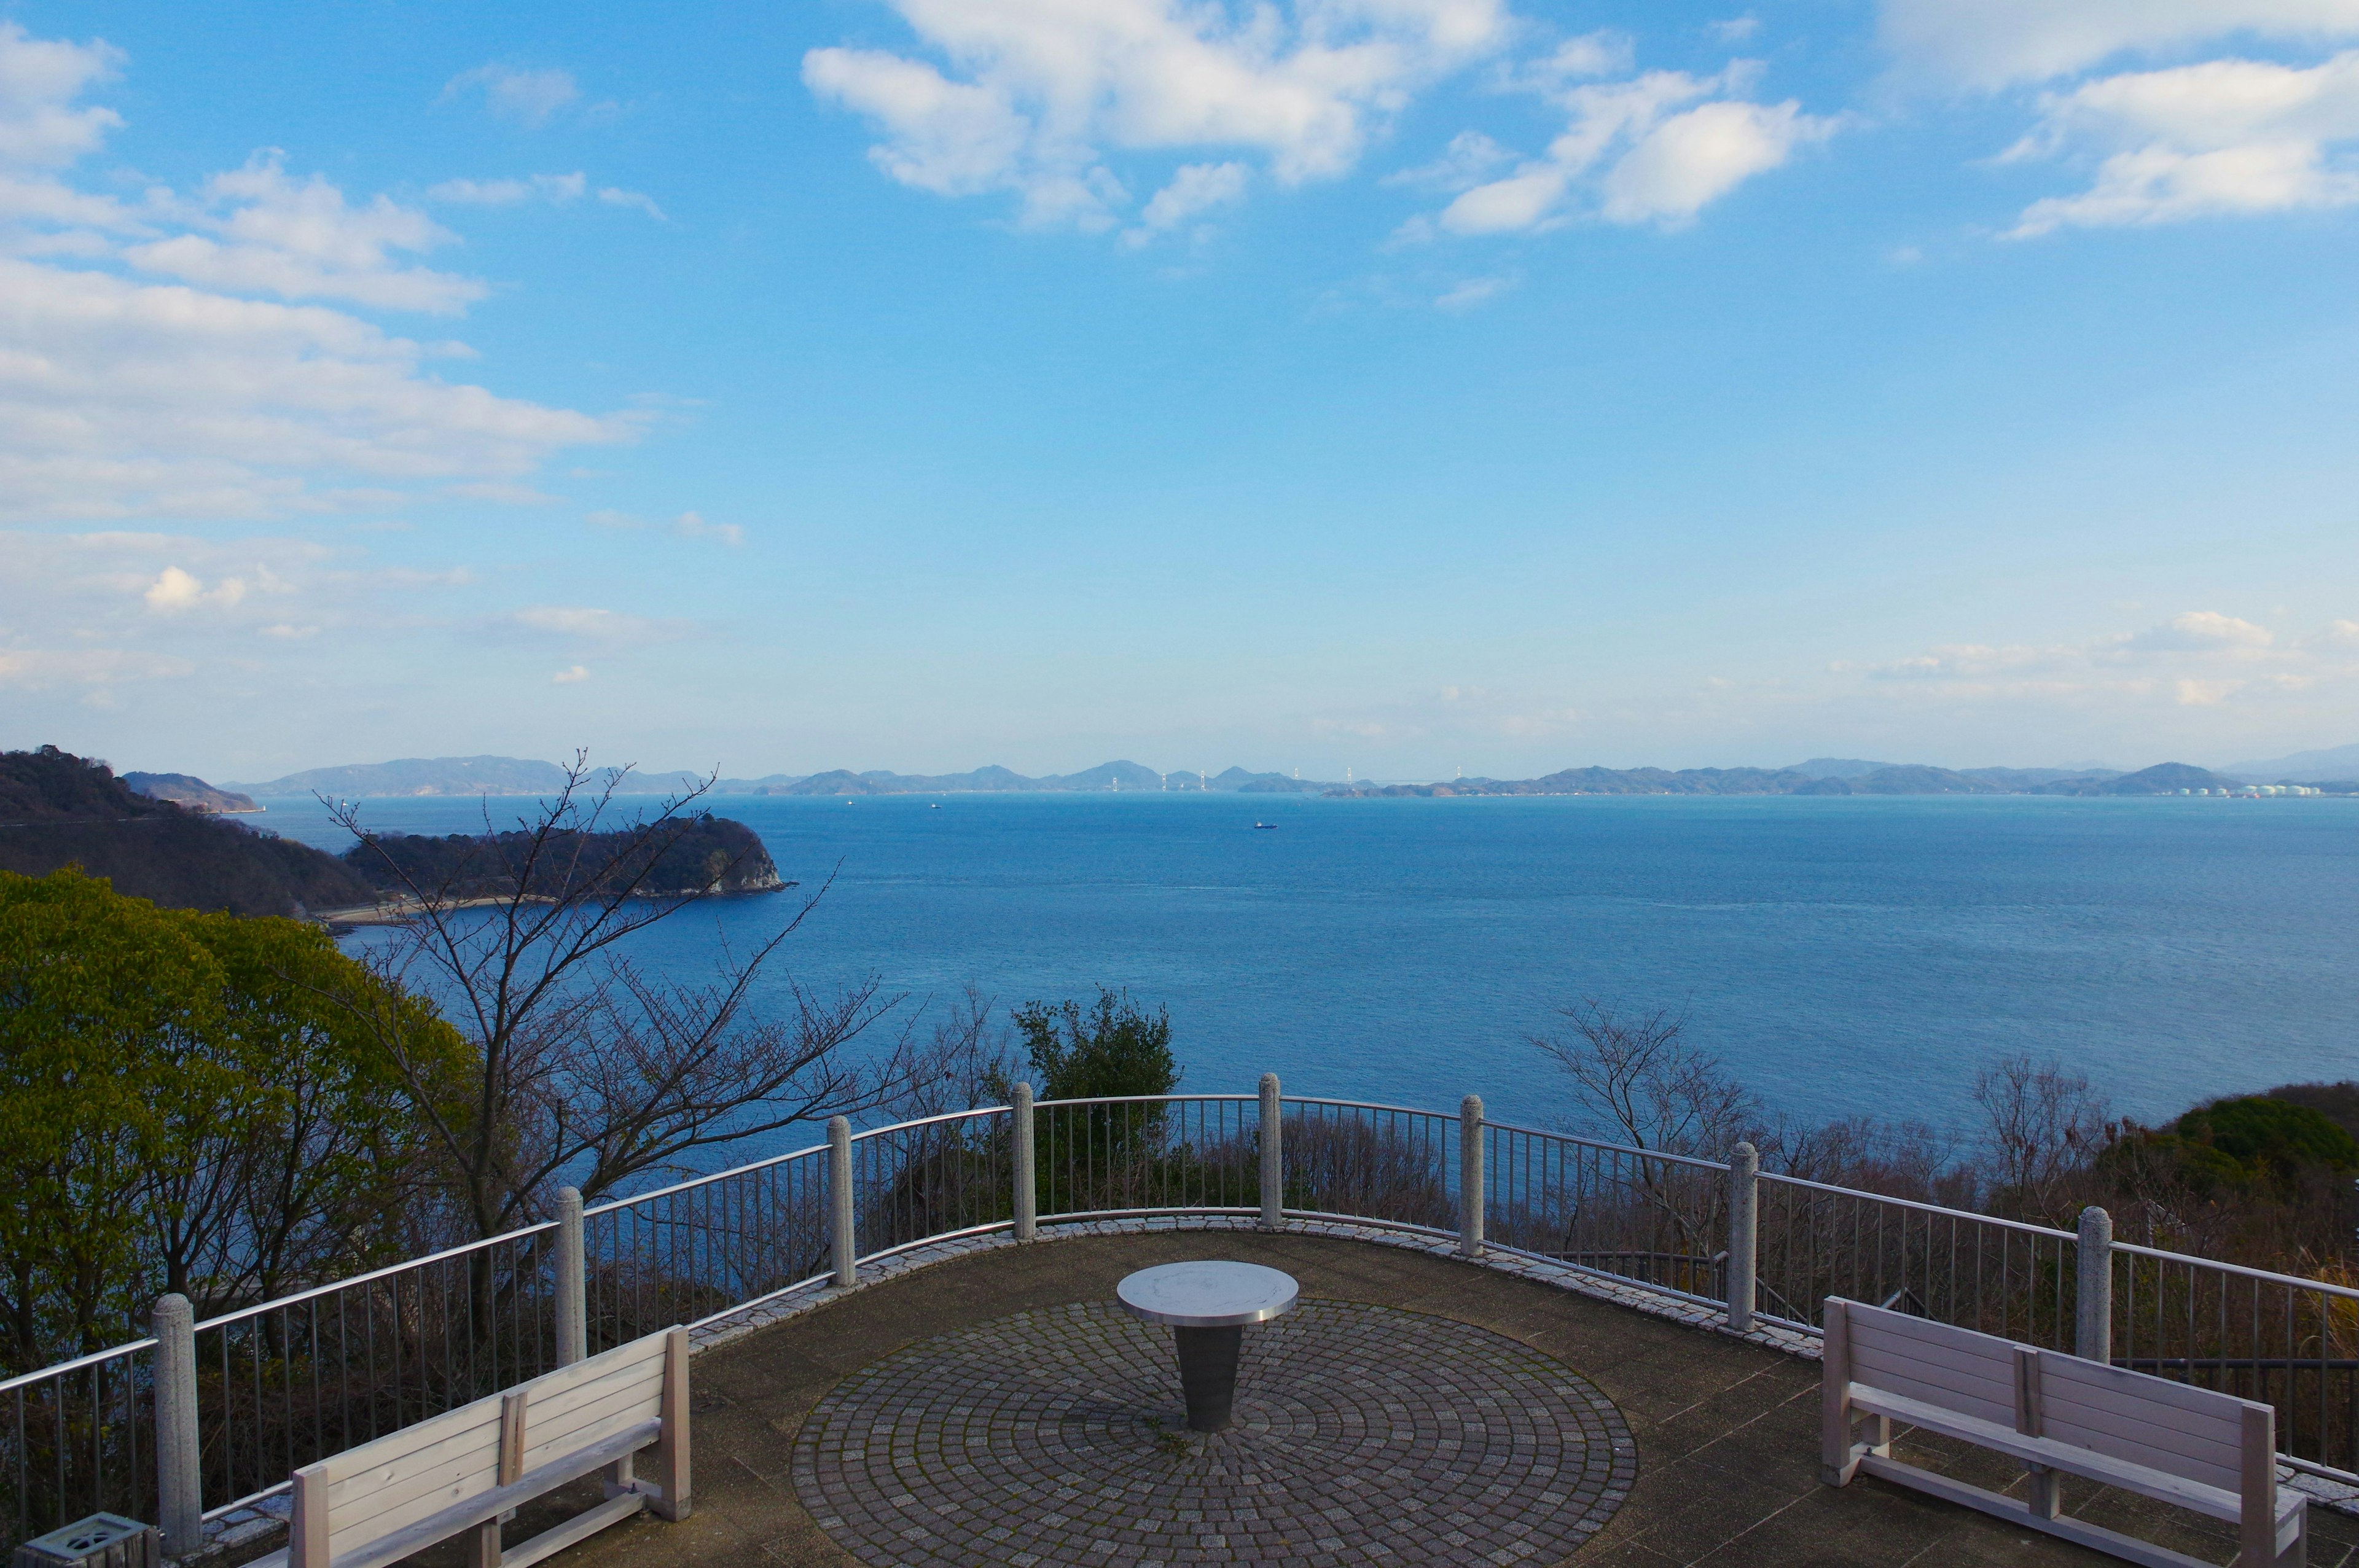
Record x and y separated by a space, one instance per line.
1726 1430
1363 1435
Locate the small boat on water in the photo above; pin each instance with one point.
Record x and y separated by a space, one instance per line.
1271 825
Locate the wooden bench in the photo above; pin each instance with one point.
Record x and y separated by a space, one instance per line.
2209 1451
464 1471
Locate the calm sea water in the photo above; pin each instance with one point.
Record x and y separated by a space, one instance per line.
1842 954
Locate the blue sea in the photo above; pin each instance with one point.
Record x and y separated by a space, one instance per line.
1840 954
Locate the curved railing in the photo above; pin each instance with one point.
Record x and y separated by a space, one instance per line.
284 1382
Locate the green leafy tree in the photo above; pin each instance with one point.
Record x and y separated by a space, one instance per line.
1112 1048
1103 1156
186 1103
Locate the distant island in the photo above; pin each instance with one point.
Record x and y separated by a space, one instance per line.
472 776
176 851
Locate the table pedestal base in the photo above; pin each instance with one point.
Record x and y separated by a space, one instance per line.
1208 1374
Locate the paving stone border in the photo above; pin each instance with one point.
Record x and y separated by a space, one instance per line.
1363 1435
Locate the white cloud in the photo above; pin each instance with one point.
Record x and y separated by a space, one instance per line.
1471 158
2226 137
1694 159
2199 631
558 187
1604 53
1734 29
572 676
122 398
174 590
40 125
297 239
614 195
582 623
529 96
2200 659
1195 189
1036 97
693 525
1992 43
1656 148
36 669
1474 291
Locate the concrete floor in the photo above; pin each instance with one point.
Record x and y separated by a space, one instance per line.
1727 1432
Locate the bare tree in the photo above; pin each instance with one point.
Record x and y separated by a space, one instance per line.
1642 1084
585 1064
2044 1128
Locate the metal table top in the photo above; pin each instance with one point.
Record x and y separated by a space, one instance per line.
1207 1294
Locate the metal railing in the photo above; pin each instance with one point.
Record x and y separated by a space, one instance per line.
283 1383
1975 1271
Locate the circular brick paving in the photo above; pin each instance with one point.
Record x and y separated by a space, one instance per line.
1363 1434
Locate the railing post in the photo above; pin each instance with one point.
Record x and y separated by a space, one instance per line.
1470 1176
1743 1234
838 1191
1027 1181
572 1280
2093 1332
180 1470
1273 1156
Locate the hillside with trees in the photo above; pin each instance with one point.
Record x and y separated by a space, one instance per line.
58 810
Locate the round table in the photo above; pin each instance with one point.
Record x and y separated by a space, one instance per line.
1208 1306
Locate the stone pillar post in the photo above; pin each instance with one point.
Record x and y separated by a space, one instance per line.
1743 1234
841 1206
572 1280
1273 1155
2093 1328
180 1473
1470 1176
1028 1178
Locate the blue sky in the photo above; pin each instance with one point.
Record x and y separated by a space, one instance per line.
1400 384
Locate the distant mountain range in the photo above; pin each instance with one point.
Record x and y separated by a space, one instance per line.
1818 775
2305 767
517 776
1881 778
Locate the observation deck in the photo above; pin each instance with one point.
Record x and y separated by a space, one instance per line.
1513 1345
1722 1430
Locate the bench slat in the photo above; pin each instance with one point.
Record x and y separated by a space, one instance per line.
552 1399
1990 1400
436 1433
590 1405
1998 1368
391 1496
1882 1325
374 1474
461 1464
2223 1429
2070 1372
621 1421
